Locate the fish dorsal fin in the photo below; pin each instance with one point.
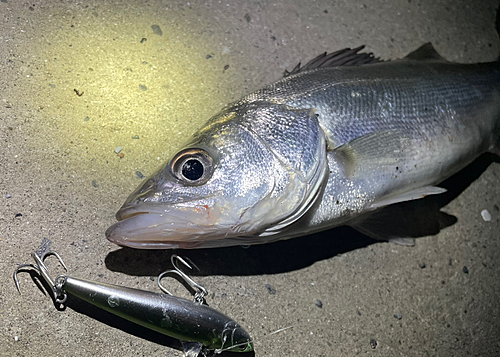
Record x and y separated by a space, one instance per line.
345 57
425 52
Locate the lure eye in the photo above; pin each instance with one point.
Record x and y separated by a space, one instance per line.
192 166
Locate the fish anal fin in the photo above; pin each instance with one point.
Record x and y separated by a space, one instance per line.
380 226
402 223
425 52
495 147
408 196
406 241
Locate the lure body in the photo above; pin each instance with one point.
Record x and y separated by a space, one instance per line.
172 316
197 326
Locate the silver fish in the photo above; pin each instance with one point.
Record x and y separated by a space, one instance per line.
325 146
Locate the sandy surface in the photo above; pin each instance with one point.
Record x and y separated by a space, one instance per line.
61 178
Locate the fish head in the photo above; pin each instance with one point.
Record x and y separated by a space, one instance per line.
251 171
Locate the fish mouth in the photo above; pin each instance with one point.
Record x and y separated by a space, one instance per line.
154 226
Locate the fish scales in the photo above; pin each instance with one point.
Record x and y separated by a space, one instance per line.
355 101
451 110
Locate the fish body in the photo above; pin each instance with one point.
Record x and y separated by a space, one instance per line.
322 147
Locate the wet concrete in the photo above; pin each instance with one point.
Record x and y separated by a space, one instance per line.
79 80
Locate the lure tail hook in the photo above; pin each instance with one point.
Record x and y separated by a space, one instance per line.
42 270
199 291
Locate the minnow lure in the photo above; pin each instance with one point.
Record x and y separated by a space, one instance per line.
176 317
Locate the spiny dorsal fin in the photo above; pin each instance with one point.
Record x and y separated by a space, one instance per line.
425 52
345 57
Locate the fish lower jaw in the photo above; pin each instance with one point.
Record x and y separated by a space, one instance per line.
165 228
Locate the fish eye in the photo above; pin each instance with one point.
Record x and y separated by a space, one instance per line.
192 166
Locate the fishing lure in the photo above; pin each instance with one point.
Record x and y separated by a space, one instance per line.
190 322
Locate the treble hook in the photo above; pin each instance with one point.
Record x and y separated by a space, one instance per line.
41 268
200 291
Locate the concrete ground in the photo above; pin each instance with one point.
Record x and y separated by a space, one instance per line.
79 79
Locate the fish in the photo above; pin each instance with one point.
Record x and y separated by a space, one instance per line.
338 141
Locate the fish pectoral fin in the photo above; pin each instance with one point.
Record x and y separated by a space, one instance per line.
403 222
408 196
375 152
425 52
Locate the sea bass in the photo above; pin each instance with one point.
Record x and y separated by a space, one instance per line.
337 140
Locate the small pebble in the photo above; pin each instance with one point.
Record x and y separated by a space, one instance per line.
118 149
139 174
142 87
270 289
120 155
486 215
373 343
319 303
86 119
422 265
18 215
135 137
358 312
143 40
226 67
8 195
157 30
208 56
398 316
16 338
95 184
465 270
